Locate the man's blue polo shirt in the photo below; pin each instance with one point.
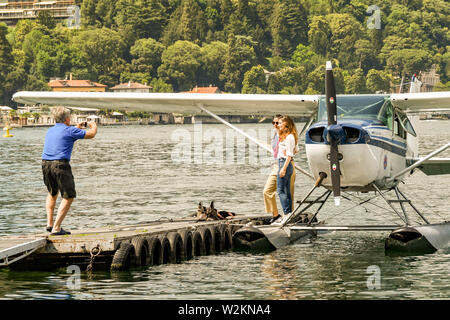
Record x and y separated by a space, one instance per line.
59 141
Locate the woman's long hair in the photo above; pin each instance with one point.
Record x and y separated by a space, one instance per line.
290 129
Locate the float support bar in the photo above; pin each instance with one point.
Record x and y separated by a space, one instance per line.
418 163
253 139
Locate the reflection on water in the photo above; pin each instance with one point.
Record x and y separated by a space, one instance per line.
126 175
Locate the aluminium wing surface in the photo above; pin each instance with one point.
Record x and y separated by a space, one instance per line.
423 101
185 103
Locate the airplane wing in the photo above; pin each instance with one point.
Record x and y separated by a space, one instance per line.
184 103
433 166
423 101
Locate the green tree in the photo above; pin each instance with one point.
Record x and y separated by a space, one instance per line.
240 57
46 19
408 61
6 60
288 81
319 35
288 26
159 85
105 49
146 55
303 57
254 80
442 86
345 30
188 22
356 83
141 18
212 63
180 63
366 53
316 80
22 28
378 80
99 13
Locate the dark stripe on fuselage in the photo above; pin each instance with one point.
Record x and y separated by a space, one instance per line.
401 144
386 146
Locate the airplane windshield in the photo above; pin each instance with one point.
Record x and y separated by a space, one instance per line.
354 107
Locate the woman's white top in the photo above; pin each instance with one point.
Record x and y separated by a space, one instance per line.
287 147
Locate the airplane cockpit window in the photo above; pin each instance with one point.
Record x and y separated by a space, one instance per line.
386 114
366 107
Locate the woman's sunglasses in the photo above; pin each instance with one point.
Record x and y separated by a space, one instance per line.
275 122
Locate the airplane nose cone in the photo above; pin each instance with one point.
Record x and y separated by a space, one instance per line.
336 133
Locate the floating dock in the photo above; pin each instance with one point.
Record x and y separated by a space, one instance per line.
119 248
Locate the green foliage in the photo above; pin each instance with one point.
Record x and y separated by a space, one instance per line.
316 80
288 80
175 45
378 80
146 55
288 27
240 57
254 80
212 62
180 63
356 83
160 86
141 18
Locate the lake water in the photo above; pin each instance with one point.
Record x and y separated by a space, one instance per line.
132 174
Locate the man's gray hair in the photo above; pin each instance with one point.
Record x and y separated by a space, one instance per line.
60 114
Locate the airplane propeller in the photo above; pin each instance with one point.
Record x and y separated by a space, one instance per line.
335 133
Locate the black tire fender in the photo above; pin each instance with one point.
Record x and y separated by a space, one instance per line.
216 238
207 240
227 238
165 249
176 247
198 244
188 245
155 253
142 258
123 257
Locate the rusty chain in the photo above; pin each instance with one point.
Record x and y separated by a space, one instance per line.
94 253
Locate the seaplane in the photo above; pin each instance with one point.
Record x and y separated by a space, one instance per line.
363 143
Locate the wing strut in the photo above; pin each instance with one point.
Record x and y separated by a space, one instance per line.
253 139
418 163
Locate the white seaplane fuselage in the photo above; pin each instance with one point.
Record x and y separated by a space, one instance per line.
372 149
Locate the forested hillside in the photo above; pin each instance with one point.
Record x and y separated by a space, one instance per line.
175 45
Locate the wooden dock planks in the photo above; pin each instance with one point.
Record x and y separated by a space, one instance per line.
107 239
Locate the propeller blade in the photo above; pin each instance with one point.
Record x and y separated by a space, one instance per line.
330 94
335 172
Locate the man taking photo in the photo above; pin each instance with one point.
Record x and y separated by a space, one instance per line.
56 168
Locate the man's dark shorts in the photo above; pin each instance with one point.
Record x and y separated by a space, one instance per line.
58 177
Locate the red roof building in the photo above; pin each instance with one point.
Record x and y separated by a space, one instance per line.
209 89
76 85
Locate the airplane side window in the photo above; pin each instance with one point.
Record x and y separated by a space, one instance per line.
386 115
398 128
389 116
406 125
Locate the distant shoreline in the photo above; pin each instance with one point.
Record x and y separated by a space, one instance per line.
145 123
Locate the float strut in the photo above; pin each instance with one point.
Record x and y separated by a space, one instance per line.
319 180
